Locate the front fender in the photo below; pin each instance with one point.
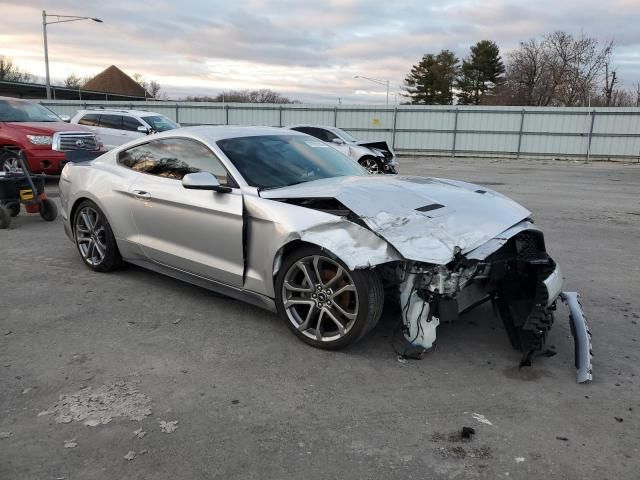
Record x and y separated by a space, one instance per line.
274 225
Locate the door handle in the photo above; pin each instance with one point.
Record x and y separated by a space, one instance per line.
141 194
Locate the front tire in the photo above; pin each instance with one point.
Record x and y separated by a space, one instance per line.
323 302
94 238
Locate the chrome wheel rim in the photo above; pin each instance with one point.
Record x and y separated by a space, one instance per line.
320 298
11 165
91 236
371 165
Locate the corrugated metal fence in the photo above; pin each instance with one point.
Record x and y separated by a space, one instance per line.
588 133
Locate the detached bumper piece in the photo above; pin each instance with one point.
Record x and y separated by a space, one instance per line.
581 337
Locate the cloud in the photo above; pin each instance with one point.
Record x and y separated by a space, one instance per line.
310 49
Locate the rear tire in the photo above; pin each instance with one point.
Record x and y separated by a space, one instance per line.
324 303
94 238
48 210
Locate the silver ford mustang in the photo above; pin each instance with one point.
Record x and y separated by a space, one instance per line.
281 220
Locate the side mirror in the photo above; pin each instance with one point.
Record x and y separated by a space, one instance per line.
338 141
203 181
65 118
142 129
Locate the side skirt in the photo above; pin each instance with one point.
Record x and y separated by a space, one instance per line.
253 298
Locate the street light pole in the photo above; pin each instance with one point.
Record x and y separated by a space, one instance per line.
65 18
379 82
46 53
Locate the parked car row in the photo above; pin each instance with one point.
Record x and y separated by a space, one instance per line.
44 137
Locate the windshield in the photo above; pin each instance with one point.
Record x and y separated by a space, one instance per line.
346 136
273 161
21 111
160 123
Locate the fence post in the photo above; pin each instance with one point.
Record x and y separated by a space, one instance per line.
335 116
520 133
593 118
280 116
226 114
393 132
177 113
455 133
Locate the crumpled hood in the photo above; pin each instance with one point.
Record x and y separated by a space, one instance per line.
425 219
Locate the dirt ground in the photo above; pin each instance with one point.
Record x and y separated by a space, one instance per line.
131 375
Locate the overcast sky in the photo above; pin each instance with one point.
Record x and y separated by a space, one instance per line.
308 50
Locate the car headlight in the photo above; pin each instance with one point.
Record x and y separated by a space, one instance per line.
39 139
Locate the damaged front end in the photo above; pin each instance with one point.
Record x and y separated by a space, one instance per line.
520 279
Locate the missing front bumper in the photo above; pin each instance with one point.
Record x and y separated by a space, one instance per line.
581 337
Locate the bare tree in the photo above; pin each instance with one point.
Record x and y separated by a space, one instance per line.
10 72
560 70
151 86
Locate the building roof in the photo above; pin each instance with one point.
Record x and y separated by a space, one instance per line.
39 91
114 80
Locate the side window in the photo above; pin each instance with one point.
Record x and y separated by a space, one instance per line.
174 158
314 132
131 124
111 121
326 135
90 119
303 130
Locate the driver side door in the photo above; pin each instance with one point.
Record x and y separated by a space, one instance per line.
195 231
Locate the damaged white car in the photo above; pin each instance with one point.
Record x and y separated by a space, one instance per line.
279 219
376 156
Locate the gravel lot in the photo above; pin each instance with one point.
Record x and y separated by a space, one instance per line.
132 350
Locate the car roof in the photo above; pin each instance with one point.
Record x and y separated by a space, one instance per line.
139 113
213 133
312 126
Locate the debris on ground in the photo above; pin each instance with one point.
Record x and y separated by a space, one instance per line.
6 434
481 418
97 406
168 427
619 419
139 433
564 439
519 459
177 321
26 390
130 455
402 359
142 452
70 443
467 432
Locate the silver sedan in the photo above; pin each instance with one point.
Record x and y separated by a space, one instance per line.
281 220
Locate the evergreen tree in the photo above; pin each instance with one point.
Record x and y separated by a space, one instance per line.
431 80
480 73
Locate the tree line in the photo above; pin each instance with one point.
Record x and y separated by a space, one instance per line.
263 95
556 70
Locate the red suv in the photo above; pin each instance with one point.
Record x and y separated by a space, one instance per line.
41 135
